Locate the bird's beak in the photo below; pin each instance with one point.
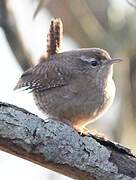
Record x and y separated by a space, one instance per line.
114 60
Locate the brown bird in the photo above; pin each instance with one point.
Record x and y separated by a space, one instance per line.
75 87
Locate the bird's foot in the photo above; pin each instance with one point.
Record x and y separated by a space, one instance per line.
82 131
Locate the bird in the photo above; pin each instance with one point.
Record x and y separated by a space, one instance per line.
75 87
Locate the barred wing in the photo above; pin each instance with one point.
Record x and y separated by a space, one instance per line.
44 76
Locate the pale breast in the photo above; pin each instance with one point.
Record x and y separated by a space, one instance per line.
79 108
108 97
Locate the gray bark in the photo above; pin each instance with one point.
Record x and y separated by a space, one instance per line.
60 148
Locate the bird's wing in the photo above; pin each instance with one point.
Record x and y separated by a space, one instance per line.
44 76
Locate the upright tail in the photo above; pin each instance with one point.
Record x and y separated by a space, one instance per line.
54 37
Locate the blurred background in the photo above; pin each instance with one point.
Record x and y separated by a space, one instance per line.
107 24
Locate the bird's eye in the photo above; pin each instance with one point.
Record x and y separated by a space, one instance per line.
94 63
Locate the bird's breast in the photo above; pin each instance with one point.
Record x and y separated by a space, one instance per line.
107 97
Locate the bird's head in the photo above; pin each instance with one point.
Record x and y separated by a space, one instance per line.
94 62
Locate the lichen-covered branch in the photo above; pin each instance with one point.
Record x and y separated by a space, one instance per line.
60 148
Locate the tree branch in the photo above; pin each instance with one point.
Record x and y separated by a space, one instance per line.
131 3
9 26
60 148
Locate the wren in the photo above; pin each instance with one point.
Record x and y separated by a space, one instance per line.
75 87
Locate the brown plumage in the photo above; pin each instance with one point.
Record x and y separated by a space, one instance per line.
54 37
75 87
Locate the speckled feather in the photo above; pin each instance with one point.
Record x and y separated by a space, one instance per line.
44 76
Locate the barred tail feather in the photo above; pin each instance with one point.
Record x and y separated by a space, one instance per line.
54 37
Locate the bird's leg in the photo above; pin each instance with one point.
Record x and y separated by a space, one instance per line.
82 130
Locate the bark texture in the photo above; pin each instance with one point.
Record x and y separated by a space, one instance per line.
60 148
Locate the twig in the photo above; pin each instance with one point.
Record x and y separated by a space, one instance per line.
60 148
131 4
8 24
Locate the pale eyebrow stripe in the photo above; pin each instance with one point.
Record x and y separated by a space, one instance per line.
84 58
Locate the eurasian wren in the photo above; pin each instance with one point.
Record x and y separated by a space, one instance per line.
75 87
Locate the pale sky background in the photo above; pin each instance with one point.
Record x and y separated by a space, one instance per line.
34 34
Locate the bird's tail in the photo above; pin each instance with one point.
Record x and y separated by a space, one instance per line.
54 37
